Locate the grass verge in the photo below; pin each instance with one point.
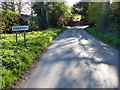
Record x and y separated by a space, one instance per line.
16 57
109 38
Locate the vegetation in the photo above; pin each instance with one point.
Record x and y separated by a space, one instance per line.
103 16
17 57
109 38
103 19
81 8
51 14
9 19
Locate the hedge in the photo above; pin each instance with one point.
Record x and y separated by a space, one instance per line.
9 19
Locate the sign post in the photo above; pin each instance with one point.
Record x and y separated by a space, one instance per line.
16 37
24 38
20 28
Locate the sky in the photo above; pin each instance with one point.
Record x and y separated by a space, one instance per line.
71 2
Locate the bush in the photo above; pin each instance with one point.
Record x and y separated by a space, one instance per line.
108 37
9 19
31 21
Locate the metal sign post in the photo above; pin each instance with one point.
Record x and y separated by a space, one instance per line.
16 37
24 38
20 28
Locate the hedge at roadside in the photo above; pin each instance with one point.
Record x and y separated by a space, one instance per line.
17 57
109 38
9 19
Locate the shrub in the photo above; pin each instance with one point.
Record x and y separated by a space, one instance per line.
108 37
31 21
9 19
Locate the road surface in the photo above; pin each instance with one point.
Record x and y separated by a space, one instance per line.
76 60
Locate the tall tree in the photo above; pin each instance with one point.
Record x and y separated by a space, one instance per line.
8 5
40 10
59 14
53 13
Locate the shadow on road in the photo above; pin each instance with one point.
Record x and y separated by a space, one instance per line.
78 60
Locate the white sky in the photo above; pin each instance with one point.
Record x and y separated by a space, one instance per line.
71 2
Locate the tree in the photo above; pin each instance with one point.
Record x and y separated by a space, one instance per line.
8 5
81 8
53 13
40 10
98 15
59 14
115 17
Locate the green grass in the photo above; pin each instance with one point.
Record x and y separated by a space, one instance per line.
16 57
109 38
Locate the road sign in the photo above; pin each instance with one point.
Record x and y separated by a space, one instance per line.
20 28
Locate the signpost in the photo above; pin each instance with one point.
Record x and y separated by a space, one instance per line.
20 28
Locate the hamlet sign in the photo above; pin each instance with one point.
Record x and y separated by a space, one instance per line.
20 28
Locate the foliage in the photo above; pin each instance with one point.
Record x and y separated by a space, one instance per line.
81 8
59 15
17 57
9 19
31 21
115 18
103 15
94 12
51 13
109 38
40 10
98 14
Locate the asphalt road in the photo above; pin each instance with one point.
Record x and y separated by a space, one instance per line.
76 60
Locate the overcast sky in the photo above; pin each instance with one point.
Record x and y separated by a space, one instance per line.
71 2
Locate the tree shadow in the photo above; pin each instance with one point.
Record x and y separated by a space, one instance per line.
101 57
78 60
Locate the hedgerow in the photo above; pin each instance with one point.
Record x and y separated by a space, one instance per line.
17 57
109 37
9 19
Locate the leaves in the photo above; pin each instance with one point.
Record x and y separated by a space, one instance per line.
9 19
109 38
16 57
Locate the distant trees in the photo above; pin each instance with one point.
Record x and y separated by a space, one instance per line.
45 14
8 5
81 8
53 14
105 16
115 16
16 6
40 10
59 14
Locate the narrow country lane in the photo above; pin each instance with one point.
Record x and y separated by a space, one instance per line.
76 60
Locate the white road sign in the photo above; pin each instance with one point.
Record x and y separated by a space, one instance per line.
20 28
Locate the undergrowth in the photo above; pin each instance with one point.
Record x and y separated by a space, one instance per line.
109 37
16 57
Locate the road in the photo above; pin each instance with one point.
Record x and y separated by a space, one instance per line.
76 60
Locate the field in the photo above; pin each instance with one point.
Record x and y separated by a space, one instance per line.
16 57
